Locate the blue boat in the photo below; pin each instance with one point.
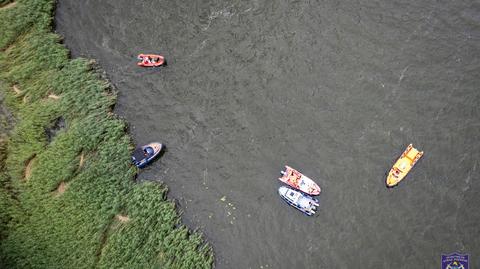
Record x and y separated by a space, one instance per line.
144 155
301 201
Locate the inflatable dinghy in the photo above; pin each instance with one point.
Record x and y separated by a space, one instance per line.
150 60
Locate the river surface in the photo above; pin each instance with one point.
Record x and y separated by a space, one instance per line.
336 90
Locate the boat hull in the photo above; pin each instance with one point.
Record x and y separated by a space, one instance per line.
159 60
403 166
299 181
299 200
157 148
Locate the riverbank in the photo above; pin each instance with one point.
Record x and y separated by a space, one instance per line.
68 195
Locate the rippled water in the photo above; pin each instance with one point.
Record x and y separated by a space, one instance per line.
336 90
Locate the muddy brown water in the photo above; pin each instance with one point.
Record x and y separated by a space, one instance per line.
336 90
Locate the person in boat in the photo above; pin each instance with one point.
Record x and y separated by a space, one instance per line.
293 177
148 152
396 172
146 60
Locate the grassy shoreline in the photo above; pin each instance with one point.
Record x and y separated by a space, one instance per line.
71 202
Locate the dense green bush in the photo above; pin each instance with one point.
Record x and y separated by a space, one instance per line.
42 226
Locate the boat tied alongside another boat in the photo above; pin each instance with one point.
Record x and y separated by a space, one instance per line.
144 155
300 192
299 181
301 201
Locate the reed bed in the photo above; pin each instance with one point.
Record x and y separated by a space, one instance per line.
77 227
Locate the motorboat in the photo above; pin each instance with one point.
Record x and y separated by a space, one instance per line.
299 181
403 165
301 201
144 155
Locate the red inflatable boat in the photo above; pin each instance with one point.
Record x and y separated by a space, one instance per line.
150 60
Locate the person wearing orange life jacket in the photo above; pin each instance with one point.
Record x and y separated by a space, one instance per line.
146 60
293 177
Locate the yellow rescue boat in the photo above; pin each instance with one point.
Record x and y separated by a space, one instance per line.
403 165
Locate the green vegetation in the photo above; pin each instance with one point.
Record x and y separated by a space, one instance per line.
71 202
